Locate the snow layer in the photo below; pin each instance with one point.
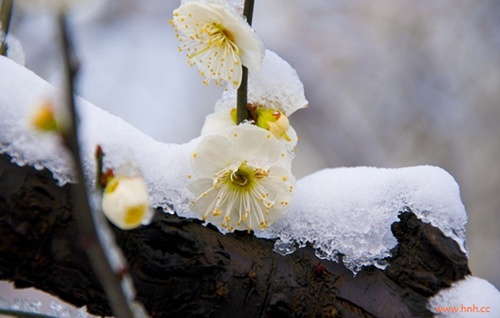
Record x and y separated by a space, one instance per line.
350 211
14 49
345 210
275 85
470 297
164 166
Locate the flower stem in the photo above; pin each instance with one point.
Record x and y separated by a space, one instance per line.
108 277
242 94
5 15
242 98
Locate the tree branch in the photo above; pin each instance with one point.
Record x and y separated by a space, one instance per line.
182 268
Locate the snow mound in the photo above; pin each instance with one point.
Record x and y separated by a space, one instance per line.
470 297
349 211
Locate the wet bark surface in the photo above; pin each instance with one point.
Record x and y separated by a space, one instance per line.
182 268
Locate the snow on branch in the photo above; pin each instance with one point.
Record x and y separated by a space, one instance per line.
345 211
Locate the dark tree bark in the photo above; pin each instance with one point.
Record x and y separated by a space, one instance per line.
184 269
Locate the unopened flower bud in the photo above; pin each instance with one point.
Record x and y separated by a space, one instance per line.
274 121
125 202
44 117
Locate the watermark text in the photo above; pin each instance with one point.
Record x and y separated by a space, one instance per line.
463 309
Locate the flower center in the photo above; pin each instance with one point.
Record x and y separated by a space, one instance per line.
243 177
218 36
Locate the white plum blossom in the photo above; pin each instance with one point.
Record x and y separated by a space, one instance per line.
125 202
217 40
242 178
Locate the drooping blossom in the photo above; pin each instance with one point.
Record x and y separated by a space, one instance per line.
242 178
217 40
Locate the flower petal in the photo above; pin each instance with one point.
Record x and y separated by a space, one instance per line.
212 154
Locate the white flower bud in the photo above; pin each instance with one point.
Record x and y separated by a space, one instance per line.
125 202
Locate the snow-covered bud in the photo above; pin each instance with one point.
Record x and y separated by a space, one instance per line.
125 202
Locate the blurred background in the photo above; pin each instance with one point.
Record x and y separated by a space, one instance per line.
390 84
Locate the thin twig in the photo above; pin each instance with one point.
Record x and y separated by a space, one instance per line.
109 279
5 16
242 93
99 158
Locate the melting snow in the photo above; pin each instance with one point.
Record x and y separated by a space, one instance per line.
345 210
350 211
